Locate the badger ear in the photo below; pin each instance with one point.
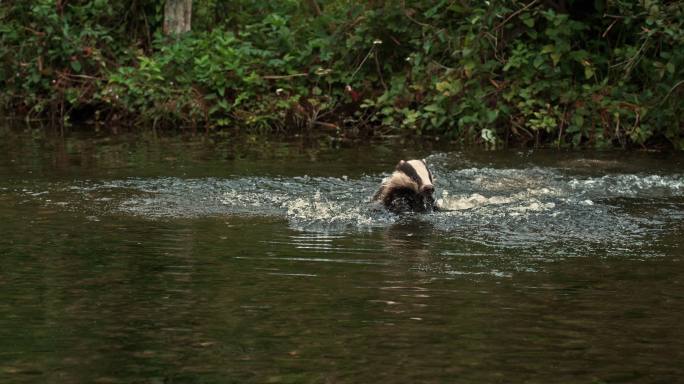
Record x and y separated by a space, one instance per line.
399 164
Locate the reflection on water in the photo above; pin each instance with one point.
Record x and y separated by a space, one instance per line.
168 261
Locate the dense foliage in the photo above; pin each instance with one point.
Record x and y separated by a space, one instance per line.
563 72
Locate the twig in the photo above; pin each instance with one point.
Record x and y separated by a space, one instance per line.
35 32
562 125
276 77
424 25
617 131
83 76
629 63
362 62
444 67
670 91
613 16
514 14
377 68
325 125
609 28
315 8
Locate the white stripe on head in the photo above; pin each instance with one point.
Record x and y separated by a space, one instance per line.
422 171
400 179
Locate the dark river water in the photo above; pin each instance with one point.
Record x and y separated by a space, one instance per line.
144 259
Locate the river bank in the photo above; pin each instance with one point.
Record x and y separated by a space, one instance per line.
490 75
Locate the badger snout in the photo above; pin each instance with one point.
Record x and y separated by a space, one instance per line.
426 193
427 189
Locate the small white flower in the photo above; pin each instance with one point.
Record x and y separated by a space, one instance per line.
377 42
279 91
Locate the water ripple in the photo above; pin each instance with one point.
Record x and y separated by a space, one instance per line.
507 207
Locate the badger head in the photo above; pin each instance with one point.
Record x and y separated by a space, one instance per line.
409 188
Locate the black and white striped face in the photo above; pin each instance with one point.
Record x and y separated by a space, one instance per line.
410 188
419 173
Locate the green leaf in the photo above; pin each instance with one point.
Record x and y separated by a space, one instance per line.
538 61
468 68
387 110
442 86
434 108
76 65
588 72
577 123
527 20
670 68
491 115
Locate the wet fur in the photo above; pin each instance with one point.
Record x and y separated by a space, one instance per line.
405 190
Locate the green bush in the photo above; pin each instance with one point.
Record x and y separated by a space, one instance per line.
563 73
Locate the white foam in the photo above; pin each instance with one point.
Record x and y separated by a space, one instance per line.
494 207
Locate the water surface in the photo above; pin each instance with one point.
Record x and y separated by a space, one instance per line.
215 260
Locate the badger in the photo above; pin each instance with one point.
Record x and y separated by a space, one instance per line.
410 188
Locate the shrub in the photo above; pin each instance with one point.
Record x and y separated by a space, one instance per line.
564 73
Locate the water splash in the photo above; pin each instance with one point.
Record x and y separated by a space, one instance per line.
499 207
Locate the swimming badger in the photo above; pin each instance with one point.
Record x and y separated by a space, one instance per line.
408 189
